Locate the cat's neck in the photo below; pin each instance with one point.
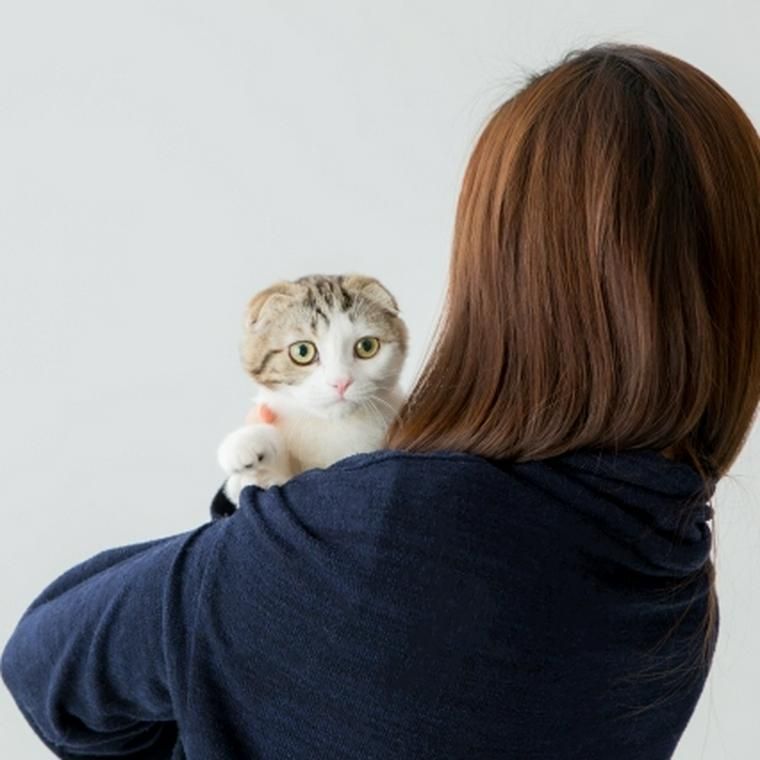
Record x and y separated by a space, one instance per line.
381 408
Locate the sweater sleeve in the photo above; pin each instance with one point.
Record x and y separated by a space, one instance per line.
90 663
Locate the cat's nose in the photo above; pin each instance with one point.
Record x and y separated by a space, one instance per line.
341 385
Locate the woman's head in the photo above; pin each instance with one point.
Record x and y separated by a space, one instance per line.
604 286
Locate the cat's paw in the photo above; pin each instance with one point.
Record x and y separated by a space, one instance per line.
253 455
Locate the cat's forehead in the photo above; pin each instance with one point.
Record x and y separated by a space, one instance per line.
326 323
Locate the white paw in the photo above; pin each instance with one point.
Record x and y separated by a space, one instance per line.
253 455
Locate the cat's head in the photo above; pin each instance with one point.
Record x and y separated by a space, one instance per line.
327 343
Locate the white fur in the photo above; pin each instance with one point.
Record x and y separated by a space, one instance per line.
314 426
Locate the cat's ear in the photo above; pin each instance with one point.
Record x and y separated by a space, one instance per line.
278 295
371 288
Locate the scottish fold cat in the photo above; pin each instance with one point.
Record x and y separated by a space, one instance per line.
325 353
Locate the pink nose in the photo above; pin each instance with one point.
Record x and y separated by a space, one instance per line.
341 385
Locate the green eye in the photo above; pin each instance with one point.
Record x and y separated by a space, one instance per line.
303 352
366 348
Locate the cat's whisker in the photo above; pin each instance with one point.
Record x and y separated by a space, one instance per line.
386 418
373 409
375 397
370 407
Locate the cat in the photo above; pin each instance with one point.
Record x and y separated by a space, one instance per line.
326 353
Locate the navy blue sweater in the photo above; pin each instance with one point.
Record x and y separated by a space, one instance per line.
394 605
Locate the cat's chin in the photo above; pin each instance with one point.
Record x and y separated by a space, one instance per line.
339 409
330 411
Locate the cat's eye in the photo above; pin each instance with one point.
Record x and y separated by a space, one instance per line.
367 347
302 352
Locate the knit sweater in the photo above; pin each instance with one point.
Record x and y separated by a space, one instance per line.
392 606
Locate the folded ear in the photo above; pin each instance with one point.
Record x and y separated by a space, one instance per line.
267 301
371 288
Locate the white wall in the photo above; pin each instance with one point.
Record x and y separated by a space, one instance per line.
161 161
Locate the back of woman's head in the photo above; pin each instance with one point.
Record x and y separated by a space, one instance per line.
604 287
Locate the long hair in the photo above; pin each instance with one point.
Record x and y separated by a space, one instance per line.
604 283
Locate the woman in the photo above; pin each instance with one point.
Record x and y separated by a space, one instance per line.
524 571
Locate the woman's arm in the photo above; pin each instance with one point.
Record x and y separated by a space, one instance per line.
91 664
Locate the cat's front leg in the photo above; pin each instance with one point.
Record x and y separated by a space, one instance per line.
253 455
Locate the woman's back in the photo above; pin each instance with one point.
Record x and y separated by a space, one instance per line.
436 605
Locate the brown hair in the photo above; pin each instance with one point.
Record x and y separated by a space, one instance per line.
604 285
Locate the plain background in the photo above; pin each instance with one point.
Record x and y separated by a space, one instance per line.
162 161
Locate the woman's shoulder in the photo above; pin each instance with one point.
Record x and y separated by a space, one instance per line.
380 480
395 471
384 458
642 480
637 466
634 507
